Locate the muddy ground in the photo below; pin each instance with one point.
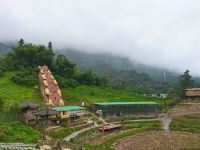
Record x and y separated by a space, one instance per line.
159 140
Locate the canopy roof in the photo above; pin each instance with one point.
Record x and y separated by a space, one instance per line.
125 103
68 108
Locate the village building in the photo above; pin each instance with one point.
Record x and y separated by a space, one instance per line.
71 114
193 93
27 109
137 109
47 115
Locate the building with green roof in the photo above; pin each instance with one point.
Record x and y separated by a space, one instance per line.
125 108
70 111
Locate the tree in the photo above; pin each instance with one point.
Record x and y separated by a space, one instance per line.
186 80
21 42
28 55
64 67
1 104
50 45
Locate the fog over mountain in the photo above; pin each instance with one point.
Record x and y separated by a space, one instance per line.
161 33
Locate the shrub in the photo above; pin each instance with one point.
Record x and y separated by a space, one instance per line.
25 76
64 82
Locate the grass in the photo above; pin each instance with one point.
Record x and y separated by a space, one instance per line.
106 141
92 94
18 132
12 93
186 124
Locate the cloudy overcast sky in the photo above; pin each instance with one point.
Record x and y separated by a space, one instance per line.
163 33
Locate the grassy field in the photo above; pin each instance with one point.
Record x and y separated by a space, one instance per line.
92 94
186 124
12 93
18 132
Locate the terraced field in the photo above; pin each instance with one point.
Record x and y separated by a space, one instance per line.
161 140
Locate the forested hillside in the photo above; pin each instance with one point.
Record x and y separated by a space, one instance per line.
4 48
107 63
114 71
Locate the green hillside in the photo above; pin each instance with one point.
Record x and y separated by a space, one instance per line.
12 94
92 94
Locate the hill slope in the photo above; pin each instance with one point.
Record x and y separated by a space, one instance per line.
12 94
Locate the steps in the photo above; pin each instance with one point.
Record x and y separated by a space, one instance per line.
49 87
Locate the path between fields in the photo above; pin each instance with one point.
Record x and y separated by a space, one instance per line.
75 134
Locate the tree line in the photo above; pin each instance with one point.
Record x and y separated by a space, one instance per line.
25 58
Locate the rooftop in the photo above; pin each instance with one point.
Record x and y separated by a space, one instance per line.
193 89
46 112
68 108
125 103
29 104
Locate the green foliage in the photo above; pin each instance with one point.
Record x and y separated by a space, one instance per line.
64 82
28 55
90 78
9 116
186 124
12 93
25 76
1 104
50 45
186 80
64 67
21 42
17 132
92 94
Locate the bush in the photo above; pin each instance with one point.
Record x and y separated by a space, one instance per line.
26 76
18 132
1 72
63 82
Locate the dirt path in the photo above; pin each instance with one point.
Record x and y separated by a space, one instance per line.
75 134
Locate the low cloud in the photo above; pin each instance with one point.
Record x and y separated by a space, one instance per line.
162 33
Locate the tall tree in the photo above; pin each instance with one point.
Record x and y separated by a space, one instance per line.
186 80
64 67
50 45
21 42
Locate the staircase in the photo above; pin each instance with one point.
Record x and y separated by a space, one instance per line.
49 87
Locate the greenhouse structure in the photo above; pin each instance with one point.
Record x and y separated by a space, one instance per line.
125 108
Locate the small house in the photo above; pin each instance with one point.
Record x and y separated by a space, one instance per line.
193 92
27 109
47 114
72 114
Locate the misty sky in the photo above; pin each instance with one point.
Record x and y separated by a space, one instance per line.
162 33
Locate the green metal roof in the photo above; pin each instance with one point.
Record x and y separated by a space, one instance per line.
67 108
125 103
